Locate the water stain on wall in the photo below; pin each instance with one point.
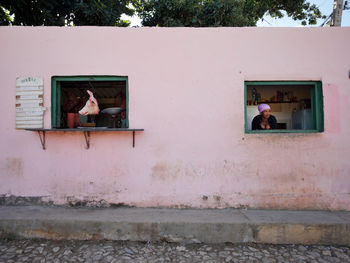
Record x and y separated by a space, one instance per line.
163 171
13 167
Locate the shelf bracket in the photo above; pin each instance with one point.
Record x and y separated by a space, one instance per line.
87 135
42 139
87 139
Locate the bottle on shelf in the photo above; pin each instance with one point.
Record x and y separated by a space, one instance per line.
254 96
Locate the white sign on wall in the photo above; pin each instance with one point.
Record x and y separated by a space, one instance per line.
29 102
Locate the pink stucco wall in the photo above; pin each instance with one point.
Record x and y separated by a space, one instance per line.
186 90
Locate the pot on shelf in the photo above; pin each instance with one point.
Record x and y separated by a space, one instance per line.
73 120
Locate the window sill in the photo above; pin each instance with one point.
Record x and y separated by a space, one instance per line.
282 131
86 131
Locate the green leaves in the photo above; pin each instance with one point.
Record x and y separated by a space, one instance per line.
5 19
66 12
296 9
100 12
167 13
210 13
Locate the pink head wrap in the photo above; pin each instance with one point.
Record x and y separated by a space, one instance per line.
263 107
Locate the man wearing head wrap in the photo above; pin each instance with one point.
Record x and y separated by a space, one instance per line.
264 121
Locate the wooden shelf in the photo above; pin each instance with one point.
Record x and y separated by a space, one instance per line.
86 131
270 102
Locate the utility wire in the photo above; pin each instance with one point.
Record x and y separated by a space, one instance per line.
326 20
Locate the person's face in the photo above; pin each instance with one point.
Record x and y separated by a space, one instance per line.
266 113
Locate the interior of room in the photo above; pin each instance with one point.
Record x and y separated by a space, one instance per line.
109 94
290 104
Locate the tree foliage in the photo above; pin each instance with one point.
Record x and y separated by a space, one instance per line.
4 17
168 13
213 13
296 9
66 12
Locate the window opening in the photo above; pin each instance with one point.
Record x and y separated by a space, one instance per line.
72 96
293 106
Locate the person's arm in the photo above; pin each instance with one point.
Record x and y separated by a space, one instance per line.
273 122
255 123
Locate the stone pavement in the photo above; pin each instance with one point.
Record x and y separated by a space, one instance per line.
119 251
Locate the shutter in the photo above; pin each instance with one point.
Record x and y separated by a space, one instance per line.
29 102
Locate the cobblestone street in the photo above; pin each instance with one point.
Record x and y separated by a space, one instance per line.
113 251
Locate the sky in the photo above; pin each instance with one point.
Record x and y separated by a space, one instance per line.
326 7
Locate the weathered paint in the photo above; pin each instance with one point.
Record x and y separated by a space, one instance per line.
186 89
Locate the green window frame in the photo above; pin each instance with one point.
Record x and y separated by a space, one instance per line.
56 91
316 105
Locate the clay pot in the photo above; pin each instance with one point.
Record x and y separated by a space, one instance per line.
71 120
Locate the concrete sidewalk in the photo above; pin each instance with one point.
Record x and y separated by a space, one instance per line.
177 225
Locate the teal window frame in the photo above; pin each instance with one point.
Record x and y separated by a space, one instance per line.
316 105
56 91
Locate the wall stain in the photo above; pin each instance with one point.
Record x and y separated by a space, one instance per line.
14 166
163 171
